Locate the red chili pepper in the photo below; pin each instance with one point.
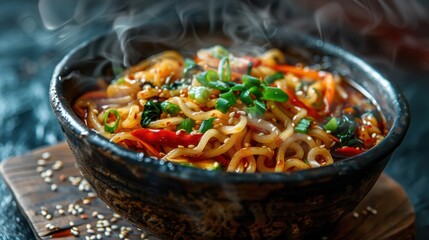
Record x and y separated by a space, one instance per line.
166 137
222 161
346 152
256 62
300 104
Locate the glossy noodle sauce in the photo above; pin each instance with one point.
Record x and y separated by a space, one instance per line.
220 111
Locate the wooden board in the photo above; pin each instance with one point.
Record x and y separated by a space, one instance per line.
54 199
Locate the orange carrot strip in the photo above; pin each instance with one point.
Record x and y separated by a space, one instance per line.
301 72
329 93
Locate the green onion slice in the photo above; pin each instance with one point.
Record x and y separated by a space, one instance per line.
224 70
274 94
219 85
170 108
249 68
250 81
187 125
219 52
208 76
206 125
238 87
256 91
246 98
272 78
303 125
111 128
258 109
229 96
222 105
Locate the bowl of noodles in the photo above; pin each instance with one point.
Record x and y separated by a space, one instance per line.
219 139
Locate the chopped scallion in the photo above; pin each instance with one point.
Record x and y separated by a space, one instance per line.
229 96
303 125
206 125
222 105
250 81
187 125
219 85
208 76
272 78
108 127
219 52
249 68
200 94
224 70
331 125
170 108
258 109
246 98
274 94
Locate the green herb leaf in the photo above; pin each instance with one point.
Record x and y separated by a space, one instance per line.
151 112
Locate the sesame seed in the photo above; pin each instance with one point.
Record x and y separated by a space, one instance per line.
43 212
46 155
246 144
94 213
101 229
57 165
259 120
113 220
61 211
328 131
231 114
107 234
41 162
75 231
355 214
261 134
71 223
226 140
116 215
88 226
47 180
92 237
40 169
180 146
142 236
54 187
48 217
86 201
374 212
90 230
115 227
230 120
309 138
249 116
100 216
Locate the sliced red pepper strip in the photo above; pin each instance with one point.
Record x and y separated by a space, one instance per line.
150 148
295 101
346 152
256 62
301 72
222 161
166 137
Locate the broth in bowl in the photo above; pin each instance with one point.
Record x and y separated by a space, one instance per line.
227 111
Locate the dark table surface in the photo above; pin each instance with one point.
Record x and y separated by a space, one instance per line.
34 36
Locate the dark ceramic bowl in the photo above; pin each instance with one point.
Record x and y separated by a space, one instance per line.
178 202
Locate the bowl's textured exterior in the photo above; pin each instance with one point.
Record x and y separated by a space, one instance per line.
177 202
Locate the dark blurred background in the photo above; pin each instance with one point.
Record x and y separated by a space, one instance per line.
393 36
